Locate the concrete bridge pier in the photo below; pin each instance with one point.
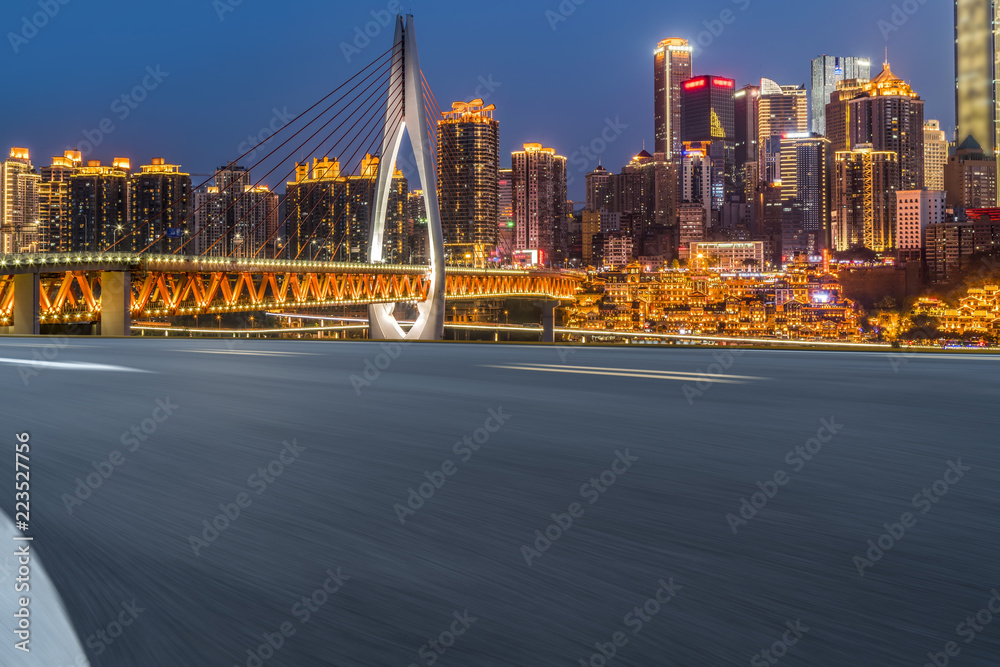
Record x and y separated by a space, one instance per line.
27 293
116 303
549 321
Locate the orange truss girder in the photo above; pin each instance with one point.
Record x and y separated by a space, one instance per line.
165 293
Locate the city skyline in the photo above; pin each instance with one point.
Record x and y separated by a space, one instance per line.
203 136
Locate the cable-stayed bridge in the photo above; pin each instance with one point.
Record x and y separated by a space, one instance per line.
224 256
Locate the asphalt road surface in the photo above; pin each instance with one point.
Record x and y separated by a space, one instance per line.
206 502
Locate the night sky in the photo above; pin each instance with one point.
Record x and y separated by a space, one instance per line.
229 64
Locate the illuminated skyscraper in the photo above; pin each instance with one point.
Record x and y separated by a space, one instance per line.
977 82
863 210
329 211
20 226
746 109
54 208
781 110
889 116
838 113
100 204
468 157
805 200
708 115
671 67
935 155
826 72
161 199
539 198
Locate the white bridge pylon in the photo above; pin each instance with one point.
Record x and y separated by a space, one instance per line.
406 96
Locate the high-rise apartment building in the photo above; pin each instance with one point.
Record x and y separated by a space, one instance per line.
415 248
693 227
468 160
54 208
671 67
539 198
935 155
977 81
696 177
827 71
863 211
505 215
915 210
644 193
20 226
805 202
329 211
889 116
235 218
781 110
598 189
708 115
100 202
970 177
161 200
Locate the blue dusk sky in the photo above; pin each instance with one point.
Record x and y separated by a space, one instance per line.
558 72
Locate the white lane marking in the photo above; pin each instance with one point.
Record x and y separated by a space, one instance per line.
54 343
71 365
643 370
651 376
251 353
